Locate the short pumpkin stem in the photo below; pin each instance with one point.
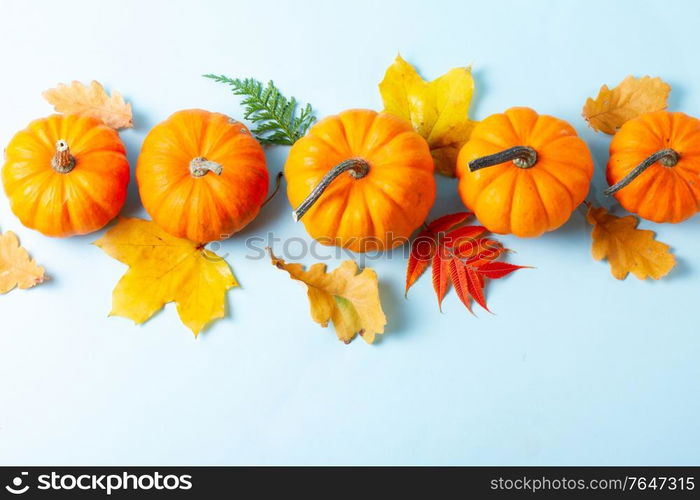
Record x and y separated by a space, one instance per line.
521 156
357 167
199 167
667 157
62 162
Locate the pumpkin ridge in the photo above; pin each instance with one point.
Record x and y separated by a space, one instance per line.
681 185
536 195
32 211
393 201
368 153
327 143
556 180
348 196
649 191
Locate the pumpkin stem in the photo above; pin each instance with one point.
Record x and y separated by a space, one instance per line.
199 167
667 157
62 162
521 156
357 167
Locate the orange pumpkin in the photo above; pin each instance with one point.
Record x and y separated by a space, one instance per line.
539 172
654 166
201 175
66 175
361 180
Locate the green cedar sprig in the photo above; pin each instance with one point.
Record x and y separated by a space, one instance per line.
275 117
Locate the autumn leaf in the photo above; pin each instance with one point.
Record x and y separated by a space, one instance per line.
93 101
438 110
17 269
162 269
347 299
631 98
628 249
459 255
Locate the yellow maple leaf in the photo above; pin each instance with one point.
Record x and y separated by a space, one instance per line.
628 249
93 101
17 269
631 98
438 110
162 269
348 299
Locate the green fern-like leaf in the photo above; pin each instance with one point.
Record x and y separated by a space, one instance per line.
275 119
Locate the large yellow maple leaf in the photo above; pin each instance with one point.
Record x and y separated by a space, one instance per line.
344 297
92 101
631 98
17 269
162 269
628 249
438 110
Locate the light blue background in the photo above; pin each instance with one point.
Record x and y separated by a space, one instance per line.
574 367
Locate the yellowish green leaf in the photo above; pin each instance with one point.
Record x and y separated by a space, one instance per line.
347 299
438 110
162 269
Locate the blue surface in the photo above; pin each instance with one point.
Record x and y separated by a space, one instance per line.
574 367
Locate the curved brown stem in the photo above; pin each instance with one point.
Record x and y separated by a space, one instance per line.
667 157
521 156
62 162
357 167
278 182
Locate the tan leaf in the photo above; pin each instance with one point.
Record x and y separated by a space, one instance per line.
344 297
93 101
628 249
631 98
17 269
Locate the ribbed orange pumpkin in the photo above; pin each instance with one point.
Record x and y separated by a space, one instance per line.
201 175
539 172
66 175
654 166
361 180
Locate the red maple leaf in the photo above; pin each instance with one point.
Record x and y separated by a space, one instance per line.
459 255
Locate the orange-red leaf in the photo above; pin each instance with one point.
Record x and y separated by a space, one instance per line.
461 256
475 285
470 248
486 256
447 222
422 250
441 274
495 270
458 274
460 234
